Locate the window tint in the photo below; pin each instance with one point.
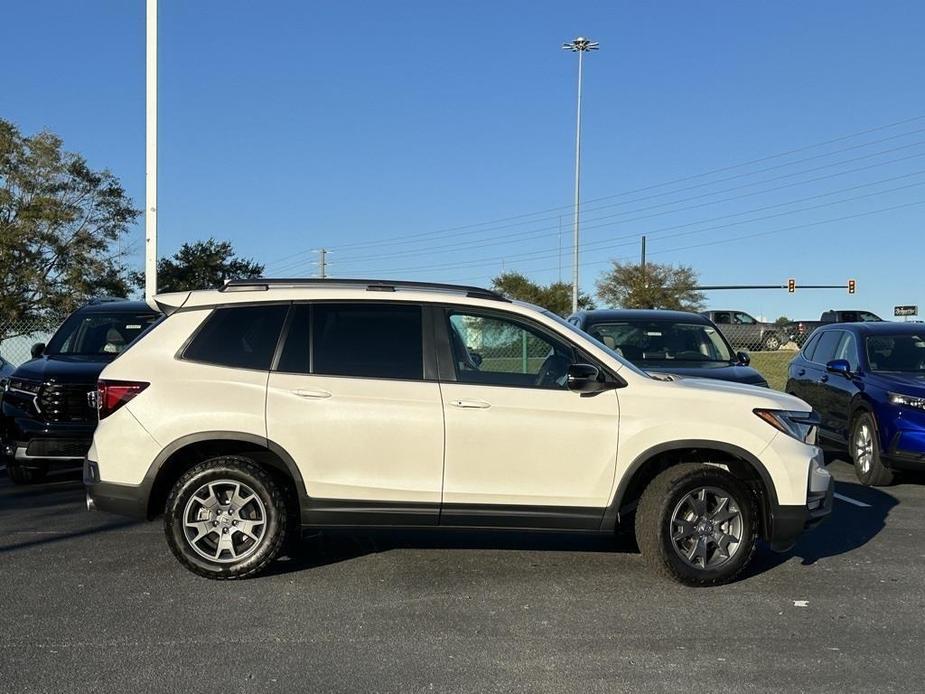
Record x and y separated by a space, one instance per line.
810 346
295 354
244 337
744 319
825 350
496 351
847 349
370 340
721 317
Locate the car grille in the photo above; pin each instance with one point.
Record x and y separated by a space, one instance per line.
66 402
58 448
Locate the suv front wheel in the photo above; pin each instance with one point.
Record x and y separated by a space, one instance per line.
225 518
697 524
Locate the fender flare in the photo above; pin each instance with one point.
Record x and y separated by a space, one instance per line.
612 512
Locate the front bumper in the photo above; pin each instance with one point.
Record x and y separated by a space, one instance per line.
124 499
785 523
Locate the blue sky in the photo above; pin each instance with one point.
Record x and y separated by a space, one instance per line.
396 134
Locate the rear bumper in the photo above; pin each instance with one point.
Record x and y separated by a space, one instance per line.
786 523
124 499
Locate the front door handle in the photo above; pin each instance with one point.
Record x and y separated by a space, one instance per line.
311 394
801 372
823 379
471 404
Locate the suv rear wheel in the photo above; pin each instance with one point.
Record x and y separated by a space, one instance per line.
697 524
225 518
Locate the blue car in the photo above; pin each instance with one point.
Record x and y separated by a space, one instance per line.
867 382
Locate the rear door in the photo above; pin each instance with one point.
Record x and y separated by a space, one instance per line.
354 400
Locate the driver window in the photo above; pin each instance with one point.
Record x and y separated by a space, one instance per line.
489 350
744 319
848 350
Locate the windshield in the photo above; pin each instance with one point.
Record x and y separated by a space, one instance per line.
98 333
578 331
646 341
904 353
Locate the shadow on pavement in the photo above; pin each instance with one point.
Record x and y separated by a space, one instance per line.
848 528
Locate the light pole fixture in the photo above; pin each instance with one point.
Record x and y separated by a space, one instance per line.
580 45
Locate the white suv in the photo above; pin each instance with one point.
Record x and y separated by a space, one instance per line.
270 405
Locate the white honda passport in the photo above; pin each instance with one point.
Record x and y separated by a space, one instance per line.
269 406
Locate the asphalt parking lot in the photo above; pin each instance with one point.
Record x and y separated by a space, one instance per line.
92 602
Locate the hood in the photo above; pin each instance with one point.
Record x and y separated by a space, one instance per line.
63 368
760 396
898 382
721 370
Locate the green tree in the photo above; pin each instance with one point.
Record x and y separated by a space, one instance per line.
201 265
557 296
630 285
60 222
782 320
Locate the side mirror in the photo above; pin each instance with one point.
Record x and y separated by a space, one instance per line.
839 366
476 358
38 349
743 358
585 378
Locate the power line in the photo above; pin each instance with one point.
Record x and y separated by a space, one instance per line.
731 167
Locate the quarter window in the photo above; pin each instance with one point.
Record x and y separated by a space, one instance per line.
366 340
243 337
496 351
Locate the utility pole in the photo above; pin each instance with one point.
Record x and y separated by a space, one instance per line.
151 153
642 255
323 262
560 248
580 45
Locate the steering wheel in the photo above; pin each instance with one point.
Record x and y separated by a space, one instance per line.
554 367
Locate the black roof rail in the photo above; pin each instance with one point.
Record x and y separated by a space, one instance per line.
264 283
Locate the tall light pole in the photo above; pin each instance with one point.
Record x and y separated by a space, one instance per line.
580 45
151 153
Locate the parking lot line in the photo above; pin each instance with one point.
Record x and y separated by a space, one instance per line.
851 501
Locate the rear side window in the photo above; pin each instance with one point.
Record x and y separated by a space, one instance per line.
810 346
366 340
825 350
243 337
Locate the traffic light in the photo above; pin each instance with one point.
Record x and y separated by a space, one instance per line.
851 286
791 285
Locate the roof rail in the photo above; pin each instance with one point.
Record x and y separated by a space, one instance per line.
264 283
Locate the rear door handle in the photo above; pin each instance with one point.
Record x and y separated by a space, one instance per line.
823 379
801 372
311 394
471 404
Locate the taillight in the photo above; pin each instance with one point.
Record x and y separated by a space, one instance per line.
111 395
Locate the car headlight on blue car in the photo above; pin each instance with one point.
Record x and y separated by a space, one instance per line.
907 401
800 425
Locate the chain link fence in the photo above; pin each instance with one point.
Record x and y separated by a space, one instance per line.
19 336
760 337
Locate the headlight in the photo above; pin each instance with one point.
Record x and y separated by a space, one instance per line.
907 401
800 425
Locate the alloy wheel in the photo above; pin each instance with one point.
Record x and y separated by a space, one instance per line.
706 528
864 447
224 521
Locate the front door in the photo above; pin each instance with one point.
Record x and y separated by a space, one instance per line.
521 449
349 401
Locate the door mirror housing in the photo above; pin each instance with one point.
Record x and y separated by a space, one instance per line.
743 358
38 349
839 366
587 379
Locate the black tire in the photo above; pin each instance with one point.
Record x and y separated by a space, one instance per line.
772 342
26 475
868 465
660 502
223 473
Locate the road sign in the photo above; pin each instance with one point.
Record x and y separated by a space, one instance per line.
905 310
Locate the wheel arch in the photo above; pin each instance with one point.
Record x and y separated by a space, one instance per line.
188 450
648 464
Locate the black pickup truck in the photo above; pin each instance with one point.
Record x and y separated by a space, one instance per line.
799 331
